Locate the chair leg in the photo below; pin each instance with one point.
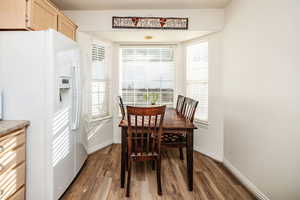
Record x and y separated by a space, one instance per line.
128 177
158 175
181 153
153 164
126 162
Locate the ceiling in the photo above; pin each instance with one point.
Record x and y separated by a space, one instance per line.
158 36
138 4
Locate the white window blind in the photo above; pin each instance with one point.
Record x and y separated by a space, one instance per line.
99 83
197 77
147 75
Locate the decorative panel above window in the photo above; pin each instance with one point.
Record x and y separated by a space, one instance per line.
150 23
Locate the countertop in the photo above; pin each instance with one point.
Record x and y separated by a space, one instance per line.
7 126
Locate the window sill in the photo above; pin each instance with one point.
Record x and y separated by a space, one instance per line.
99 119
202 124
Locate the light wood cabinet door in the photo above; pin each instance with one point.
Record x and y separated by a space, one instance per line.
19 195
42 15
11 181
66 26
12 14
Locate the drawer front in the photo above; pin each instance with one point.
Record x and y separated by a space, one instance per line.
10 143
11 181
19 195
12 158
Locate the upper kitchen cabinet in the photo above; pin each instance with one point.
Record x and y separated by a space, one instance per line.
34 15
66 26
42 15
13 14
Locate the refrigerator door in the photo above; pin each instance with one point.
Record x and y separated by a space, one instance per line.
63 139
76 95
80 151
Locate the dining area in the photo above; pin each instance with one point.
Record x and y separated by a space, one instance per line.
147 130
154 124
156 159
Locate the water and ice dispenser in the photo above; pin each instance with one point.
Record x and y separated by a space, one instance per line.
65 83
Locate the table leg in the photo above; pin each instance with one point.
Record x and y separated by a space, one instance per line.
189 158
123 157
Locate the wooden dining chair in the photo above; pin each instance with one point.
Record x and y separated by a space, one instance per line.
144 138
189 109
121 105
177 138
179 104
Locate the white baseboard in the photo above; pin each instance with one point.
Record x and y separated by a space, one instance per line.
99 146
245 181
209 154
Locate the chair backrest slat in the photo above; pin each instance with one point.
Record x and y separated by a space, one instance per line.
149 130
143 139
180 103
121 105
136 134
142 135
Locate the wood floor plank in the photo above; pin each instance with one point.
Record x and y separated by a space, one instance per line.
100 179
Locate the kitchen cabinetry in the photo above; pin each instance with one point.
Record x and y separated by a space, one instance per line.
66 26
34 15
42 15
12 160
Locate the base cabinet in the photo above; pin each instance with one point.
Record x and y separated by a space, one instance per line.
13 165
19 195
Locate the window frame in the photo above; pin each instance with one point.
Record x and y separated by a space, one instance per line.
173 46
205 123
106 80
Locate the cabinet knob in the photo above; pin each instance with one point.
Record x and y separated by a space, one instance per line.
1 149
1 193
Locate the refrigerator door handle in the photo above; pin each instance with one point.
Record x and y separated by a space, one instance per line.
76 98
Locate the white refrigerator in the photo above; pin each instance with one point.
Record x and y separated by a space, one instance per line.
40 79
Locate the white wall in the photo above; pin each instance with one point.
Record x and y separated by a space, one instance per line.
116 92
208 139
83 41
262 94
199 19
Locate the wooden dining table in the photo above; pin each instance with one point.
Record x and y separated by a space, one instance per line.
173 121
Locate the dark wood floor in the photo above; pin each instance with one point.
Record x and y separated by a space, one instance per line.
100 179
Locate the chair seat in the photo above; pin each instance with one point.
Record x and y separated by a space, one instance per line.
173 139
144 156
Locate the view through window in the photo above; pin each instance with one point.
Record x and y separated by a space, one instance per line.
197 77
99 82
147 75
